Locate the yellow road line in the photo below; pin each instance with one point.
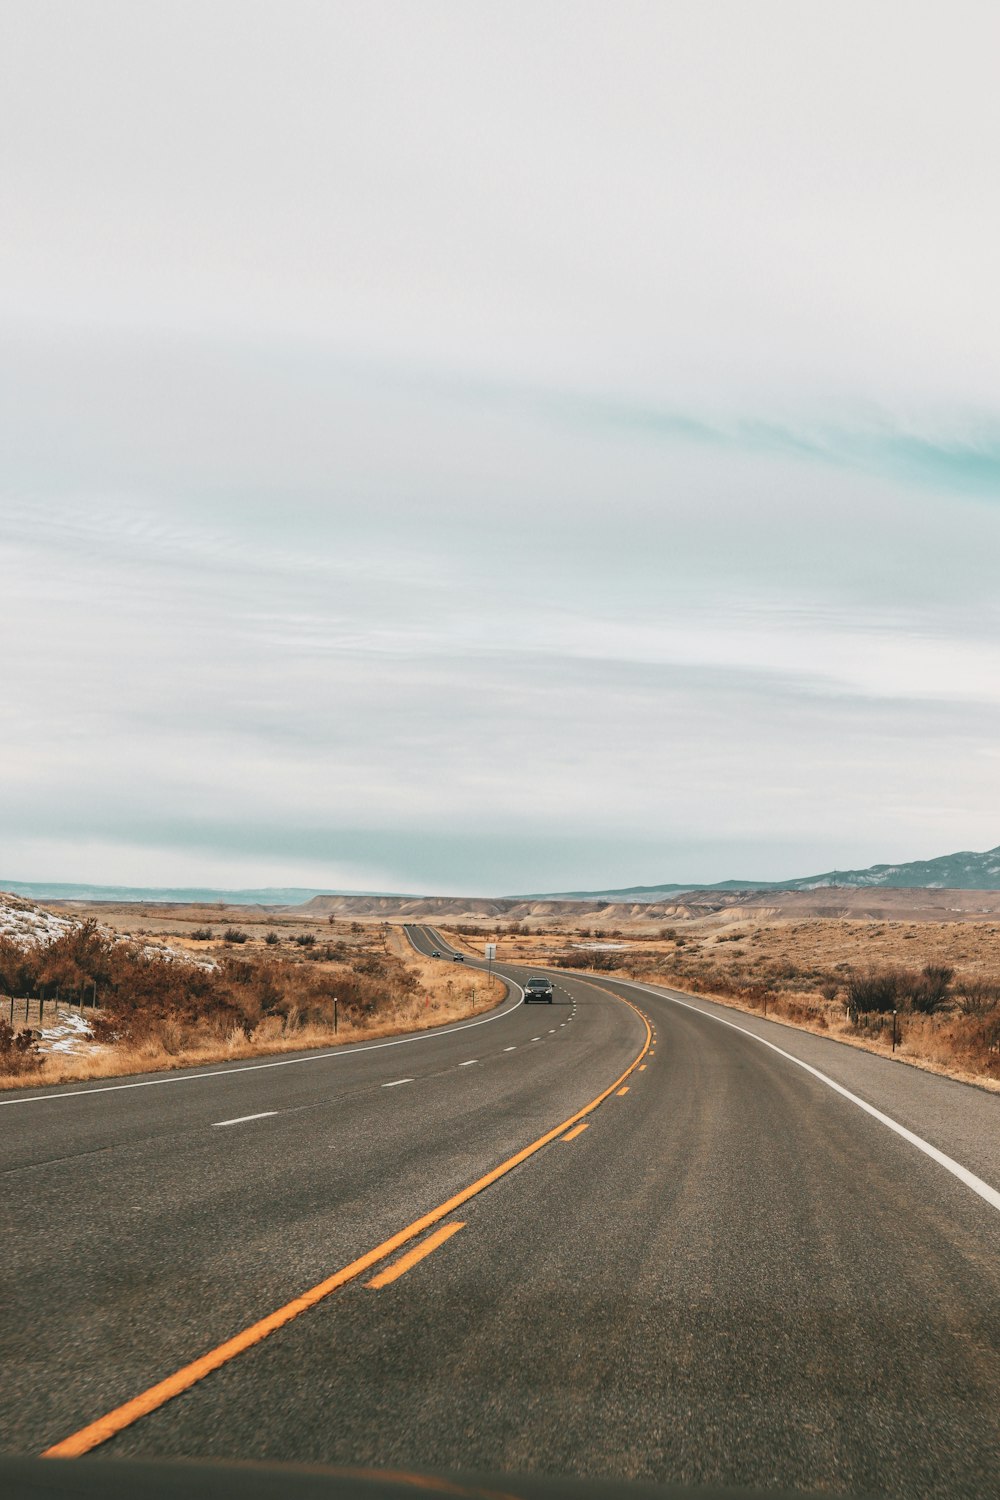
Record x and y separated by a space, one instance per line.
577 1130
415 1256
642 1067
623 1091
96 1433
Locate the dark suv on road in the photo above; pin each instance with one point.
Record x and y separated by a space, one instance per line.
538 989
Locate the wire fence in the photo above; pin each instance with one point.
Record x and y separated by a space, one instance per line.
28 1010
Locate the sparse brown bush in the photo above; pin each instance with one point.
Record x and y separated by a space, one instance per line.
202 934
171 1036
18 1051
235 935
882 990
977 997
601 961
929 992
158 1007
877 991
370 963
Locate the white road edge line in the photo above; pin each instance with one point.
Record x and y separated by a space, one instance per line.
469 1063
351 1050
396 1082
987 1193
242 1119
510 1049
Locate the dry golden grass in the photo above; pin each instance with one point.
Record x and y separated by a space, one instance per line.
443 994
803 967
932 1043
802 963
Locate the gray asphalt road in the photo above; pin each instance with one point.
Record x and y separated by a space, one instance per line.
732 1274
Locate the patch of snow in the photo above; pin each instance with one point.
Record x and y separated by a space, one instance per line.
69 1034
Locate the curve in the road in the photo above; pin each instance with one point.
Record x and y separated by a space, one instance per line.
105 1427
970 1180
349 1049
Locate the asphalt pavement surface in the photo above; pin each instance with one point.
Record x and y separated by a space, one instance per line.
720 1252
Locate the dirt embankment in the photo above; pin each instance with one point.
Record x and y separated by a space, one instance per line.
832 902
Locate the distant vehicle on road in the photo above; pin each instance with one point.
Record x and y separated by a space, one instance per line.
538 989
459 958
435 953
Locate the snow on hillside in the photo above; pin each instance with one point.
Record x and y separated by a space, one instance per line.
27 923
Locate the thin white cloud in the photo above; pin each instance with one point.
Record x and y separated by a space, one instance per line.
415 472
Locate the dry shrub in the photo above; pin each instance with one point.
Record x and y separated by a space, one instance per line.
597 960
883 990
977 997
876 992
161 1009
19 1052
171 1036
947 1024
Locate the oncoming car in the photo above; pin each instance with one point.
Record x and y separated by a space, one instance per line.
538 989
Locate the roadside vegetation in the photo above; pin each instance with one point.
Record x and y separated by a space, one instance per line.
149 1008
930 1016
840 978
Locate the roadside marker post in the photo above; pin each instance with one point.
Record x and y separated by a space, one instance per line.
490 954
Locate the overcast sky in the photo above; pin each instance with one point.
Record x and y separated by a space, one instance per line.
496 447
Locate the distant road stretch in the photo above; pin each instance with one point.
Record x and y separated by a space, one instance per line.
630 1234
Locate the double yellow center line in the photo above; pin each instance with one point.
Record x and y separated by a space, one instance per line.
96 1433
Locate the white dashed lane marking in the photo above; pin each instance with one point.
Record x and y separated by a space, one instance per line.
242 1119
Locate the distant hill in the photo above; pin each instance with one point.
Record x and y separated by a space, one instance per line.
50 890
966 871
